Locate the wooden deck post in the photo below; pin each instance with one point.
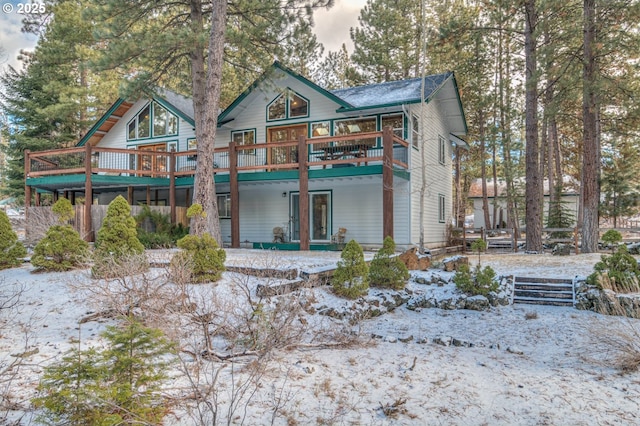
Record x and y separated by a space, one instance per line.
172 185
37 199
235 195
387 182
303 172
148 195
130 195
88 194
27 188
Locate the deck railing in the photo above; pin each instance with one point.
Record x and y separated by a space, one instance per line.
323 152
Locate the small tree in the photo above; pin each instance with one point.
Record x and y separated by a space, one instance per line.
117 239
386 269
12 251
612 238
479 246
200 255
350 279
62 248
114 386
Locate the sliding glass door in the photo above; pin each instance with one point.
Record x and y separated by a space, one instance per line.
319 216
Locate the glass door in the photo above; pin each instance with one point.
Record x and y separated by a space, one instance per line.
289 154
319 216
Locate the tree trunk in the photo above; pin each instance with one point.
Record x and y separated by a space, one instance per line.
590 154
483 173
533 213
206 101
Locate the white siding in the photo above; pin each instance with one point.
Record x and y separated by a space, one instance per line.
438 178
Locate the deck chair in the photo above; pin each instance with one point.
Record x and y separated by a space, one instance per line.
338 237
278 234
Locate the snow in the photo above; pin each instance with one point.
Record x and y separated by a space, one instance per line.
519 364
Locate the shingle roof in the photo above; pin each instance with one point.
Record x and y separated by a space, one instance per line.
393 92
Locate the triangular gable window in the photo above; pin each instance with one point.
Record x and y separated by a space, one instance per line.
288 105
164 123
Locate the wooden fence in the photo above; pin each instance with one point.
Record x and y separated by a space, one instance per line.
40 219
507 239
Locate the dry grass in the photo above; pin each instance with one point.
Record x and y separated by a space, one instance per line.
619 347
531 315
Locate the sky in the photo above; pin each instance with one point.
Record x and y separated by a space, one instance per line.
331 28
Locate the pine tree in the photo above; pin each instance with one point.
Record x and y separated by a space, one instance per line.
118 385
387 270
620 183
351 277
117 241
386 43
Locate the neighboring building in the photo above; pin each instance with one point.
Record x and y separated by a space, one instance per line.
143 150
570 198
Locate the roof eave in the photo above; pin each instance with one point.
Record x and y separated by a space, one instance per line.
100 122
168 105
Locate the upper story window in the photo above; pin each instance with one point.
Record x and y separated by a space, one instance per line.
442 150
287 105
396 122
151 122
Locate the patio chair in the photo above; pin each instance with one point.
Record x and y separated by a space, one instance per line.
338 237
278 234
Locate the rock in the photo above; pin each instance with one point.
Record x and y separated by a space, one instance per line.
418 302
443 340
405 339
562 250
515 350
461 343
414 261
477 303
451 264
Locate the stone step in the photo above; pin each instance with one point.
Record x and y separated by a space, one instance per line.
567 295
542 301
543 287
543 280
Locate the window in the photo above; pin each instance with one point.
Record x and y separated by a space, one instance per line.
441 208
396 122
164 123
355 126
415 131
224 206
244 137
318 130
287 105
442 150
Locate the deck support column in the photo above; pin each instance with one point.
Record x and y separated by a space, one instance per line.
27 188
172 185
387 182
130 195
235 195
303 172
37 199
148 195
88 194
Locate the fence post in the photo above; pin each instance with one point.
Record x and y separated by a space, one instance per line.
464 239
575 239
482 232
514 237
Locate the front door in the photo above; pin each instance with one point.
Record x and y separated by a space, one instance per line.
289 154
319 216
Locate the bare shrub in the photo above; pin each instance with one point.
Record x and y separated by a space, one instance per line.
618 346
10 365
39 220
531 315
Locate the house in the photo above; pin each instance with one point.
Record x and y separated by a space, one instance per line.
289 154
570 200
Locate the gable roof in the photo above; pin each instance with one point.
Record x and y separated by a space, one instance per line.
174 102
372 96
232 110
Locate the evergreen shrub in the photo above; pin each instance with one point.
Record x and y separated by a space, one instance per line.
618 272
351 277
202 256
12 251
164 233
387 270
117 240
481 281
611 238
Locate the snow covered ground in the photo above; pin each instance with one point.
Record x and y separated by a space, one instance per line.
525 365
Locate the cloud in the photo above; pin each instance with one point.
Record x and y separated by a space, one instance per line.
12 40
332 26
